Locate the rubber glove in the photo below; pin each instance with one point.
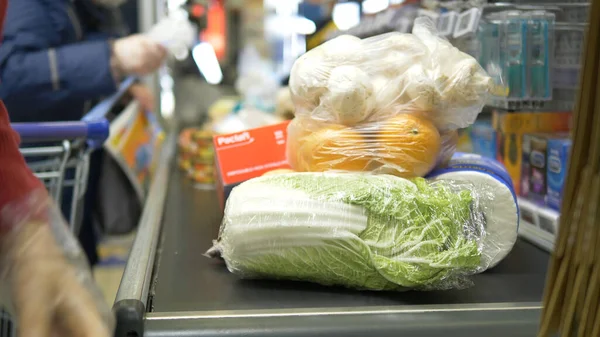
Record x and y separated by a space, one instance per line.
51 288
137 55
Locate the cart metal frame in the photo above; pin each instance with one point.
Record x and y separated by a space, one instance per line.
62 162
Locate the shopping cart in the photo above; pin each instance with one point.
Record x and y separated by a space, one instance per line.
59 155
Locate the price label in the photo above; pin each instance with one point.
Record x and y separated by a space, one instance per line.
467 22
446 23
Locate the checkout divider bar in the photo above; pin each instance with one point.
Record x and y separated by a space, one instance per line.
132 298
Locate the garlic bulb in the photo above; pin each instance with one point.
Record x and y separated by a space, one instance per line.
308 79
421 89
350 96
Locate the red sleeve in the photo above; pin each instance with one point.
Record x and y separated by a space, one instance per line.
16 180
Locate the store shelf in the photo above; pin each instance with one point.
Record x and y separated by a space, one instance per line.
538 225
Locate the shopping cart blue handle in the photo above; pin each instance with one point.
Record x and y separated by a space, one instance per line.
96 132
93 127
103 108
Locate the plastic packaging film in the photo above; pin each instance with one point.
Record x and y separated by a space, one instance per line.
383 104
42 267
176 33
497 200
365 231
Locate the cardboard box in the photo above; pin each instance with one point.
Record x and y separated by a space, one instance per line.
249 154
557 164
511 127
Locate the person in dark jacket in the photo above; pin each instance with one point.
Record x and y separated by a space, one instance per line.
58 58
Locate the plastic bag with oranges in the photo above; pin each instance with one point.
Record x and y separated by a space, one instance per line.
388 104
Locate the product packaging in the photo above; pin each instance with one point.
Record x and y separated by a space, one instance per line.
511 127
514 53
196 155
517 50
540 37
387 104
497 199
536 153
483 138
557 164
365 231
248 154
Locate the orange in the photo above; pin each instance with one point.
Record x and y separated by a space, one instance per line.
333 147
408 145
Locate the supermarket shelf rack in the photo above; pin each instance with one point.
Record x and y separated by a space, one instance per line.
539 225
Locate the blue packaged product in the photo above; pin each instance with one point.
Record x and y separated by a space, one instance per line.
558 157
496 199
483 138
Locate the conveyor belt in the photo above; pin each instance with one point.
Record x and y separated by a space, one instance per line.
185 280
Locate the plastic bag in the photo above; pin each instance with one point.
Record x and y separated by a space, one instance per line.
175 32
383 104
256 83
364 231
52 292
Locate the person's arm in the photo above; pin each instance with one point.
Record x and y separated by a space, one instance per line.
40 261
81 70
16 180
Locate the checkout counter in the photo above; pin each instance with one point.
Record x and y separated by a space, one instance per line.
170 289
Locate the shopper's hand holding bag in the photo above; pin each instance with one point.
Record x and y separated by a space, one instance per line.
51 288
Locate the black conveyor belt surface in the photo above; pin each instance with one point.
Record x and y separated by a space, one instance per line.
185 280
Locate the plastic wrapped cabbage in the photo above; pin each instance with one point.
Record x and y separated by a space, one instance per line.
377 232
385 104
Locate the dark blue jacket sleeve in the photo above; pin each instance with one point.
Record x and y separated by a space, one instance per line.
37 65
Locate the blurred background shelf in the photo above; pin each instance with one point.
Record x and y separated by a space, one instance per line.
538 225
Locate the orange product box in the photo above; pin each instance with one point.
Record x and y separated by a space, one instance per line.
511 127
249 154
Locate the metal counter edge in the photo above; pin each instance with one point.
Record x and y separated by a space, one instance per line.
493 320
132 297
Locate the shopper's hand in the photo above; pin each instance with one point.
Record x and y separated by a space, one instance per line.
52 290
143 95
137 55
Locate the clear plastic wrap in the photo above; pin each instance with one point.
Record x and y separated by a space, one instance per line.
365 231
44 276
382 104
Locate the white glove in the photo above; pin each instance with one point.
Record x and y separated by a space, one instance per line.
137 55
175 32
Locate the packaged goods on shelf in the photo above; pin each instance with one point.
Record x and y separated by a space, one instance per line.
248 154
388 104
558 159
511 127
483 137
534 176
196 155
365 231
517 50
